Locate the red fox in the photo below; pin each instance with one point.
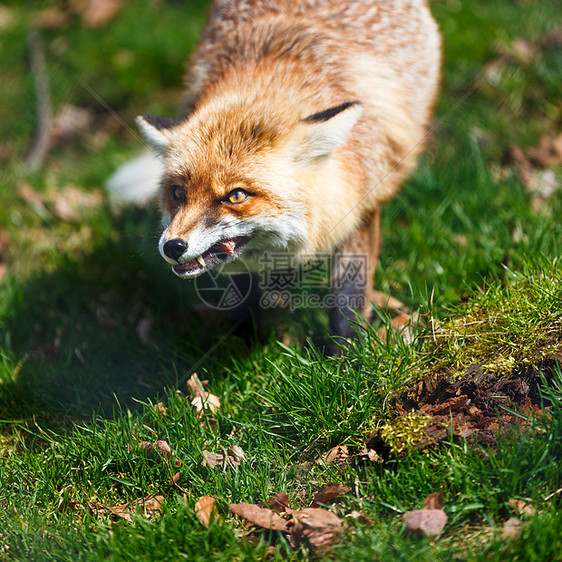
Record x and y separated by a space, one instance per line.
301 118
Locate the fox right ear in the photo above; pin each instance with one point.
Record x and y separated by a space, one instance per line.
320 133
153 129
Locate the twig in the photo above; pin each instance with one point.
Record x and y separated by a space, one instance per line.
42 142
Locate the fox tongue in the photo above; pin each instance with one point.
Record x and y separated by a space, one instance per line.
228 247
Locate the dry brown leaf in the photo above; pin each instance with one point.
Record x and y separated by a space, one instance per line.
195 386
336 455
97 13
212 459
260 516
70 202
542 183
369 455
511 528
235 455
206 510
67 203
210 402
158 450
328 493
279 502
202 399
160 409
548 153
317 526
54 17
361 517
433 501
71 121
522 506
148 506
428 522
7 18
28 194
519 50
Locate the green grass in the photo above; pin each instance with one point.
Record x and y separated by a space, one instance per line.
78 384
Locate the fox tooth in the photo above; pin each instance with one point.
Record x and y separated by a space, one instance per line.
201 260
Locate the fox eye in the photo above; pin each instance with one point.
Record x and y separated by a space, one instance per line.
178 194
237 196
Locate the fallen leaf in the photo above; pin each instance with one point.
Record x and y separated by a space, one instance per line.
428 522
361 517
158 450
70 202
511 528
52 18
260 516
369 455
548 153
202 399
315 525
7 17
205 509
522 506
212 459
336 455
541 183
160 409
148 505
28 194
433 501
279 502
70 122
235 455
519 50
97 13
195 386
328 493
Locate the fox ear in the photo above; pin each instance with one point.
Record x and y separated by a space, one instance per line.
153 129
322 132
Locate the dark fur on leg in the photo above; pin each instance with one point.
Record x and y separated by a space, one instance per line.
246 317
352 282
350 296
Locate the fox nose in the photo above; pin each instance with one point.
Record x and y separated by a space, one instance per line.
175 248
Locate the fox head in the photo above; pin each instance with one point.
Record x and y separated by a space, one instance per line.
237 179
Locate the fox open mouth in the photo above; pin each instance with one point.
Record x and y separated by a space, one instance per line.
222 252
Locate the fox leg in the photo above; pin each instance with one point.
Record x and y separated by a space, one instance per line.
353 270
245 317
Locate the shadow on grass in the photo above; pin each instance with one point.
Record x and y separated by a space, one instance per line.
110 326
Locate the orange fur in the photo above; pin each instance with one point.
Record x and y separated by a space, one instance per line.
261 70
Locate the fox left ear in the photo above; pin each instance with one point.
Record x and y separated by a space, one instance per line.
322 132
153 129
